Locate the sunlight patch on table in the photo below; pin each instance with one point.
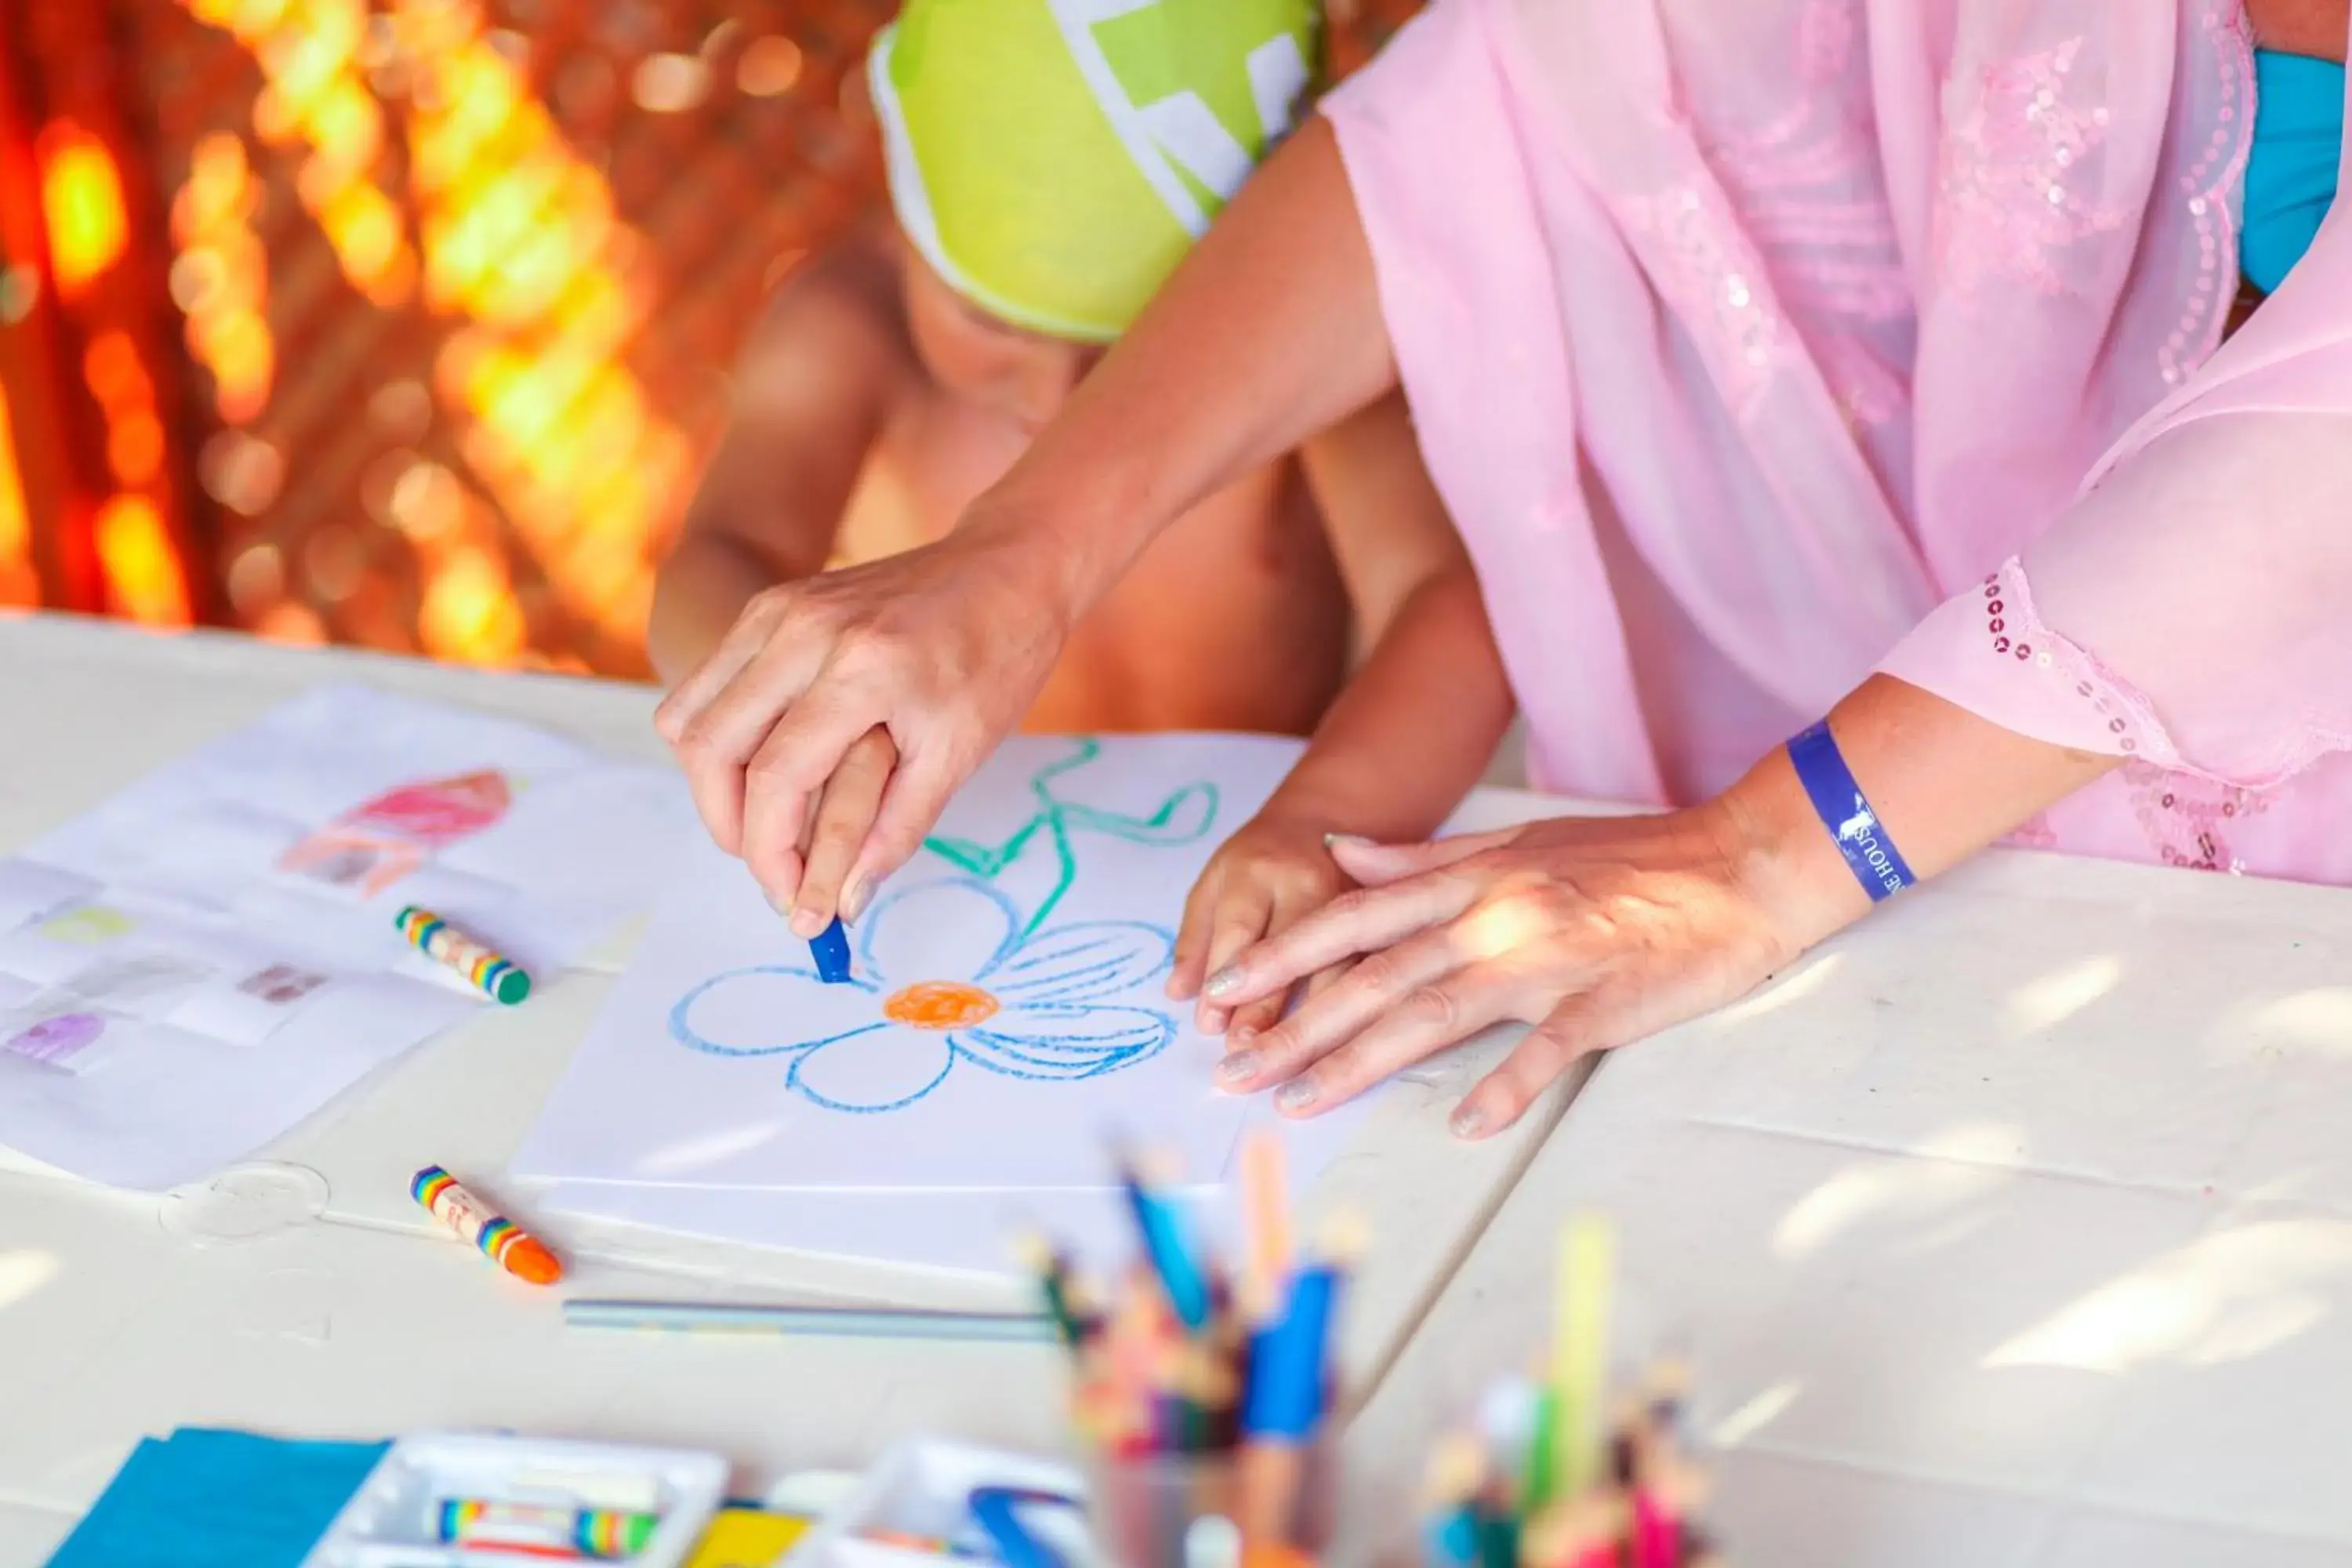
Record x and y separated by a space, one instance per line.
2223 1298
1780 992
2054 997
24 1273
1958 1165
1756 1415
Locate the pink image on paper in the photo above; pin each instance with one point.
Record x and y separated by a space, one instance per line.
436 812
56 1040
375 844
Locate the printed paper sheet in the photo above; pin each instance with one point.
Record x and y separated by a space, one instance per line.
198 962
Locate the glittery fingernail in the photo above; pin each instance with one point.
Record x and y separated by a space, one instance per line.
1353 840
1239 1066
1468 1121
1297 1095
1223 982
853 902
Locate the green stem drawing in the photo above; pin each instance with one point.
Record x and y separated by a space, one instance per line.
1056 818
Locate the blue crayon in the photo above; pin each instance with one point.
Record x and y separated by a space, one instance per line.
830 948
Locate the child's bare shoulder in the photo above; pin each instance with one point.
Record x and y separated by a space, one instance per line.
836 326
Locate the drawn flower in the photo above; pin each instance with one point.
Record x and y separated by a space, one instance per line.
944 975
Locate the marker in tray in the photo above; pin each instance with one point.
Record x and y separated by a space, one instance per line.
545 1529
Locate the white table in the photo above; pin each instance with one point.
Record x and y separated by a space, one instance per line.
2012 1229
28 1533
2015 1227
372 1322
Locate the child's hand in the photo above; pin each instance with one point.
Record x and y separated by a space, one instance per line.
1271 874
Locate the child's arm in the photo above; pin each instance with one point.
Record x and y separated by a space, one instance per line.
1405 740
810 390
1416 726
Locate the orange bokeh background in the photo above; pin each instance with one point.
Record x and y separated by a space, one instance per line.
402 322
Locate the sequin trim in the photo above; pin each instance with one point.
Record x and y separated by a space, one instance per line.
2034 833
2013 631
1796 220
2189 820
2013 167
2187 815
1715 281
1807 185
1826 32
2205 190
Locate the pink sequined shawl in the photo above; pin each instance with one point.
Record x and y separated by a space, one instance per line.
1758 343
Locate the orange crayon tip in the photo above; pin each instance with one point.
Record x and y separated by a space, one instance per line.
527 1259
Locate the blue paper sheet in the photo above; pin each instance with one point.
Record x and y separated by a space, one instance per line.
207 1498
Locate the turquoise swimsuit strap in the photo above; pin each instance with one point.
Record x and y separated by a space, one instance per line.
2291 169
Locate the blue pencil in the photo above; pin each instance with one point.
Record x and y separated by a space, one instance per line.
1287 1372
1163 1243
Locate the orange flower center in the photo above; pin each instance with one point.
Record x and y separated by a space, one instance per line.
939 1005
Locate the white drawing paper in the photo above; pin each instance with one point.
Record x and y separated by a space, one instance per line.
964 1233
1007 1017
198 962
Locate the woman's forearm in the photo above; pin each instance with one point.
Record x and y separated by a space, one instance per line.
1943 782
1268 332
1416 727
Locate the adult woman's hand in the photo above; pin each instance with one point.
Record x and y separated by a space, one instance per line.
1596 931
942 649
1599 932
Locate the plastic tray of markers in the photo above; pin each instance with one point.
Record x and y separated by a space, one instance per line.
915 1507
454 1501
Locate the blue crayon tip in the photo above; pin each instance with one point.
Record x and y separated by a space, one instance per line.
830 949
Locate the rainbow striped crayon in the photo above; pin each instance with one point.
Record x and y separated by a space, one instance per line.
505 1243
496 977
604 1533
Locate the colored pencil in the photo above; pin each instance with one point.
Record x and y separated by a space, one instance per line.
1207 1392
1161 1228
1483 1509
1052 1271
1580 1352
848 1322
1266 1210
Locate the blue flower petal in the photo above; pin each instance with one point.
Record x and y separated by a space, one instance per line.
1067 1042
768 1008
884 1069
952 930
1082 962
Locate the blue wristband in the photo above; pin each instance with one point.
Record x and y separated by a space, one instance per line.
1845 811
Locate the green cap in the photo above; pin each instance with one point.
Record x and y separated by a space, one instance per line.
1053 159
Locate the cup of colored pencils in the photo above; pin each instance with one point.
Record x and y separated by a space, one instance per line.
1203 1395
1557 1473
